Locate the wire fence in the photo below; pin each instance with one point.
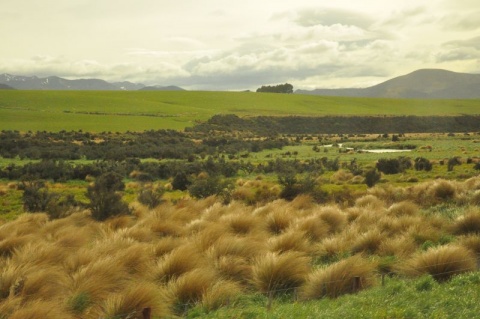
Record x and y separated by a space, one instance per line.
356 283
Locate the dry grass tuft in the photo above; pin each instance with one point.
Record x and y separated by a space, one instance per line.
278 221
220 294
370 201
471 242
334 218
234 268
241 224
313 227
280 273
405 208
442 190
441 262
368 242
401 247
132 301
340 278
190 287
40 309
291 240
234 246
467 224
341 176
177 263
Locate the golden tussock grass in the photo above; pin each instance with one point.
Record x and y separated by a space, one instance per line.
471 242
368 242
241 224
191 286
333 217
341 176
405 208
302 202
166 245
334 246
10 244
120 222
138 259
370 201
289 241
234 268
164 228
340 278
50 283
40 309
440 262
313 227
400 247
131 302
278 221
39 254
469 223
98 278
220 294
227 245
280 273
178 262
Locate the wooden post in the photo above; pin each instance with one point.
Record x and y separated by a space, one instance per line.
356 283
324 289
147 313
383 280
270 300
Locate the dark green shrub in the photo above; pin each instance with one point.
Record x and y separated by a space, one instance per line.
422 164
36 197
181 181
211 185
105 198
151 197
372 177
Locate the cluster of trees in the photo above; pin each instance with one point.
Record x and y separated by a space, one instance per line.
160 144
280 88
341 124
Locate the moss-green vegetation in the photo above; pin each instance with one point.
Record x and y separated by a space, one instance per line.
137 111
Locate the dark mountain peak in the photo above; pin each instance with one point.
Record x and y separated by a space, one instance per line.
5 87
419 84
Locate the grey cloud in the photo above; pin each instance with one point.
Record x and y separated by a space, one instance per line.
405 17
326 16
459 54
462 22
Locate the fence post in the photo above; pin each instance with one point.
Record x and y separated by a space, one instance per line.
270 300
356 283
383 280
147 313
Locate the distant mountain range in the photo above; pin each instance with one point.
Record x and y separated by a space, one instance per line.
57 83
421 84
5 87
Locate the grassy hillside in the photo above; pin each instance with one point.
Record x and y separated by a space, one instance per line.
138 111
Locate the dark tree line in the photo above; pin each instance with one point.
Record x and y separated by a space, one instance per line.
280 88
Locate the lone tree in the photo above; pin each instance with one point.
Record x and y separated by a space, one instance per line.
104 196
280 88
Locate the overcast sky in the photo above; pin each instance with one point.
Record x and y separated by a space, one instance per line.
236 45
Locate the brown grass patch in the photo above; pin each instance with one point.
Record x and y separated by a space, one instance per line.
177 263
441 262
40 309
405 208
280 273
467 224
340 278
220 294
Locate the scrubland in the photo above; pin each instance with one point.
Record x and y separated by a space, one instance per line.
204 258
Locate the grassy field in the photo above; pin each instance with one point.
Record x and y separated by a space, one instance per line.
137 111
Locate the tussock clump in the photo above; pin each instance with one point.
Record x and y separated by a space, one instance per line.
241 224
136 259
289 241
441 262
313 227
177 263
39 254
10 244
220 294
442 190
471 242
278 221
164 228
190 287
333 217
234 246
234 268
401 247
131 302
98 278
340 278
341 176
120 222
50 283
467 224
371 202
166 245
368 242
405 208
40 309
302 202
332 247
280 273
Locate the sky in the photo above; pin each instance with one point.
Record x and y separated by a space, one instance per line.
238 45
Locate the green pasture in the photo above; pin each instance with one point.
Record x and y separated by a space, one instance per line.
115 111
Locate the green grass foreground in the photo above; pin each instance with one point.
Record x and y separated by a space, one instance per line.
420 298
98 111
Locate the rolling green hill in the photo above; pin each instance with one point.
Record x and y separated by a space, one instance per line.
143 110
